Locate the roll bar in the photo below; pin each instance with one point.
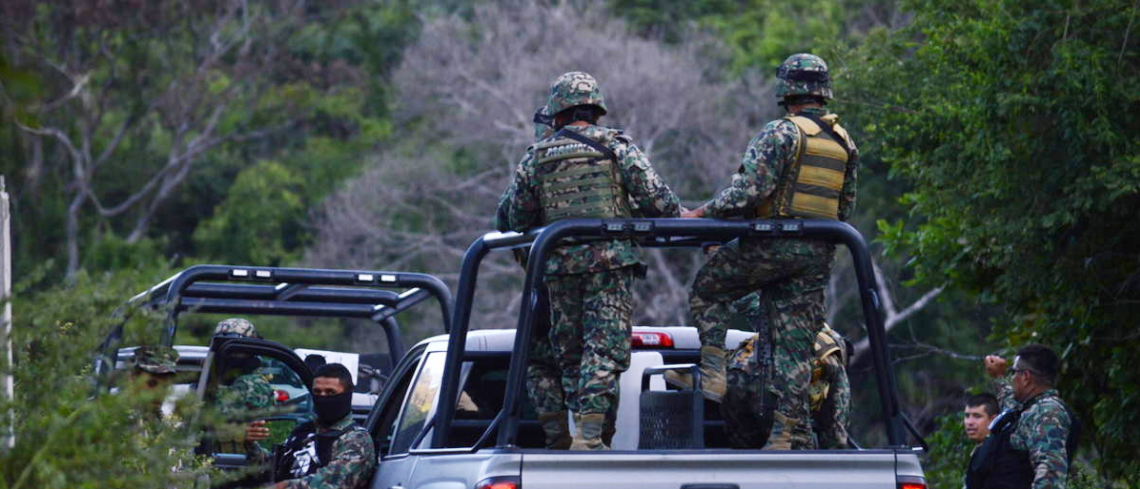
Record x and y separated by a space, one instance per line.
365 294
649 233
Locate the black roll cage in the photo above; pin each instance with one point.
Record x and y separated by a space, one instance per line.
366 294
649 233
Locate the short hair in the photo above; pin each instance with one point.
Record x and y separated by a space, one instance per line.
985 399
315 361
1042 360
336 371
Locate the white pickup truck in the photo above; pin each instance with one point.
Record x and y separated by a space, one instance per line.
455 414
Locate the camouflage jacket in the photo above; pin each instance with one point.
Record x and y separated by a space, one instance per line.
520 207
767 157
1042 431
247 398
351 464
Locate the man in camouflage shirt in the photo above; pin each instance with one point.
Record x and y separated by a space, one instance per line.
242 398
799 166
583 171
339 453
1031 443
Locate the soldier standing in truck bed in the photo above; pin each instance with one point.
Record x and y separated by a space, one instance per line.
585 170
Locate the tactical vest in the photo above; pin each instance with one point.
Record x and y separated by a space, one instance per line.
578 178
810 187
997 465
305 451
829 353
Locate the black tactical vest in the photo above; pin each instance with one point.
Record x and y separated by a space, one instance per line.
305 451
997 465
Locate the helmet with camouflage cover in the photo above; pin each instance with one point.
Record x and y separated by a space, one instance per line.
542 124
156 359
803 74
573 89
237 327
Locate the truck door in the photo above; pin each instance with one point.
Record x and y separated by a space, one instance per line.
253 380
402 417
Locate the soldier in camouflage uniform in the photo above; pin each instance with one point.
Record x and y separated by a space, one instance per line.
584 170
153 370
243 398
829 390
339 453
799 166
1032 442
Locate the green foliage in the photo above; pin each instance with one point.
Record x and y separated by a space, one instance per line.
767 31
1015 123
759 33
65 437
257 220
945 463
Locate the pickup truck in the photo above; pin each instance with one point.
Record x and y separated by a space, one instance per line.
455 414
379 297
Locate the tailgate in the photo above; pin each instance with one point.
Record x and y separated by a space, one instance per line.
745 469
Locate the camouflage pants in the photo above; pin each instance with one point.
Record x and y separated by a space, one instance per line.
543 377
791 276
589 338
829 421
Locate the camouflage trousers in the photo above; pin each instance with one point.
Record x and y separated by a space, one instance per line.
791 276
829 418
543 376
589 341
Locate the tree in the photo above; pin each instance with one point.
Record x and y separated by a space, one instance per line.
65 437
468 89
138 93
1015 127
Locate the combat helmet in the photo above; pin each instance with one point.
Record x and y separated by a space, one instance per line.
236 327
803 74
543 124
156 359
573 89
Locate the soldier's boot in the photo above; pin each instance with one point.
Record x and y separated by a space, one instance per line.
781 436
589 436
712 374
557 429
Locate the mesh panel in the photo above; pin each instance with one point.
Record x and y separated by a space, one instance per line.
672 419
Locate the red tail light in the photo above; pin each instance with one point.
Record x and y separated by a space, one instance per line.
911 482
282 396
649 339
502 482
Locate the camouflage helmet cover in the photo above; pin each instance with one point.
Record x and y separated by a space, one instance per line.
156 359
542 125
803 74
573 89
237 326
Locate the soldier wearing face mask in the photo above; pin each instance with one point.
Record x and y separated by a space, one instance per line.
334 452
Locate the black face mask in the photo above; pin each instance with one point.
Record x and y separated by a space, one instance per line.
331 409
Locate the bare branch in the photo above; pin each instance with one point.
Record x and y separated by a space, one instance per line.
893 316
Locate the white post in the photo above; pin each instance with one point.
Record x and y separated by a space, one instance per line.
7 392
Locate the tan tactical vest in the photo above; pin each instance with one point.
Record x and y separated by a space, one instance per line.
829 354
810 188
578 181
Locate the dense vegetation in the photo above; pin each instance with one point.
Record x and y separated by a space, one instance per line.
1000 174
